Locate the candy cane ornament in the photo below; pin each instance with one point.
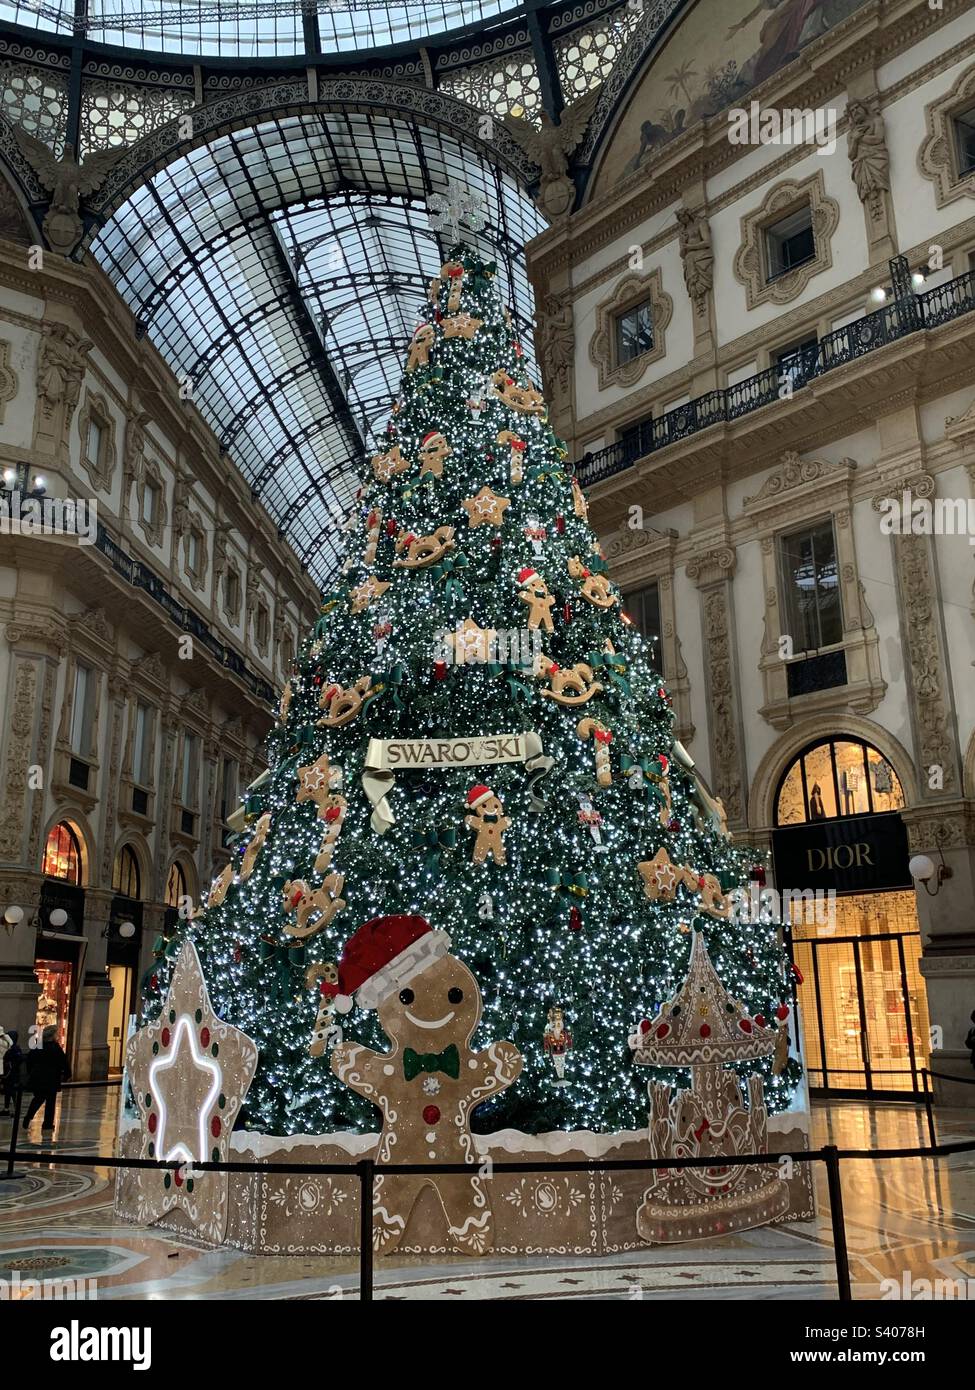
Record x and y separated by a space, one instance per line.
601 739
516 446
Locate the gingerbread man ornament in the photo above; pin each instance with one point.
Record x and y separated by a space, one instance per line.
430 1082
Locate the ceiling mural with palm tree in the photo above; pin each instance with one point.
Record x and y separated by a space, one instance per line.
707 65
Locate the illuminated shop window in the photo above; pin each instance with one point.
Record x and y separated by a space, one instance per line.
837 777
62 854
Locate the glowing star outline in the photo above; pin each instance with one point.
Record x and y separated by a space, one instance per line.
159 1056
486 508
160 1064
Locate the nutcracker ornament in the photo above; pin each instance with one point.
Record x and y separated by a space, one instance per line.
557 1042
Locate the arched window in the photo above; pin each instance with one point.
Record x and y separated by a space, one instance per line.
62 854
175 886
837 777
125 875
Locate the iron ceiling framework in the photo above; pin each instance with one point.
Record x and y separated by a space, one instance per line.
279 269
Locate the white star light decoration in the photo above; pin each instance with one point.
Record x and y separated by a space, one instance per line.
459 204
189 1073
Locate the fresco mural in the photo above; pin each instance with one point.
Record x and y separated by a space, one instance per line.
713 60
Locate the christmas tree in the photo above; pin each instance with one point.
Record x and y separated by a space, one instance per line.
473 732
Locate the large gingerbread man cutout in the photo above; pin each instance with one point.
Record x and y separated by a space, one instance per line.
429 1084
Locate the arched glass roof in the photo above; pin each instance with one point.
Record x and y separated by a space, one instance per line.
252 28
279 270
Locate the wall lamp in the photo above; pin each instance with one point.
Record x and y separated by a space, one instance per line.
923 870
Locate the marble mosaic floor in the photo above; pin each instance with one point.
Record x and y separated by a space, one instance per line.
912 1218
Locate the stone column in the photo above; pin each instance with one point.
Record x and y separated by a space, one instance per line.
89 1061
19 990
712 572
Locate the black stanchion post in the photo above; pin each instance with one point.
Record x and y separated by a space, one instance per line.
840 1252
12 1151
366 1167
929 1108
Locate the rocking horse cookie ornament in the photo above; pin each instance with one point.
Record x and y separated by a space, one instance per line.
428 1085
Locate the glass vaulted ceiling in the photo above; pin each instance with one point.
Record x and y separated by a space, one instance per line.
280 269
251 28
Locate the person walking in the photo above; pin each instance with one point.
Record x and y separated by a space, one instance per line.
47 1068
13 1059
970 1040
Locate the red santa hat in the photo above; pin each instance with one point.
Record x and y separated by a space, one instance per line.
383 955
525 574
478 793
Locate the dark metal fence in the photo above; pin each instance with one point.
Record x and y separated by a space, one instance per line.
907 314
366 1169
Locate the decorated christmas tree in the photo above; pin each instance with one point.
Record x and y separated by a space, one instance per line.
475 734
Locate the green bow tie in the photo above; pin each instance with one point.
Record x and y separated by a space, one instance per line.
447 1061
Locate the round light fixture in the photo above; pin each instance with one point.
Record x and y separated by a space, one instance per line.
921 868
879 295
126 930
57 917
13 915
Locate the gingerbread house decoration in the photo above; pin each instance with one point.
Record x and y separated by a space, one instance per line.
704 1029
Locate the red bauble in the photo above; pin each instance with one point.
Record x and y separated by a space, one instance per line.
756 874
560 525
645 1025
154 982
152 1122
165 1035
745 1024
663 1029
204 1037
495 542
440 670
782 1013
430 1114
177 1177
705 1030
237 955
575 919
760 1020
216 1127
390 527
674 825
438 317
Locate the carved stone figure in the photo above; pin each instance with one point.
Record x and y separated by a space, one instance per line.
133 449
866 146
697 254
60 369
68 180
556 338
550 147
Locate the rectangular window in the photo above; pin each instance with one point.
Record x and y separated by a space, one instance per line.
790 242
643 607
82 711
263 623
193 552
231 591
228 789
142 746
634 332
811 584
93 444
150 504
965 141
191 746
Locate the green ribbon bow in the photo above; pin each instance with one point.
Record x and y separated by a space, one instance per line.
445 570
572 885
447 1061
283 960
614 668
520 692
433 841
541 472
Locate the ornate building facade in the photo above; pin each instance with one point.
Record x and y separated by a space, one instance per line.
758 331
149 614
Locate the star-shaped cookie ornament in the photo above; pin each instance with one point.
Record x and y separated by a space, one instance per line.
189 1073
486 509
470 644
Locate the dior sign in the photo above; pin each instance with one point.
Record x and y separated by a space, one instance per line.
849 854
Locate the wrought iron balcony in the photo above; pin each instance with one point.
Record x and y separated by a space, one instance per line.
908 313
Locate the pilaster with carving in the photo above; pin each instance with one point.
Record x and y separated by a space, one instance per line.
117 687
866 146
21 724
798 492
924 643
62 356
712 570
697 257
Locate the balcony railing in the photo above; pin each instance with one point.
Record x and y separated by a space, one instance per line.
907 314
141 577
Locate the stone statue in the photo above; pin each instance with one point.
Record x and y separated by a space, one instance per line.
556 342
68 180
866 145
696 254
61 362
133 449
550 146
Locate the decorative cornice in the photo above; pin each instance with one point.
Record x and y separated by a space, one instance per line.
713 567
